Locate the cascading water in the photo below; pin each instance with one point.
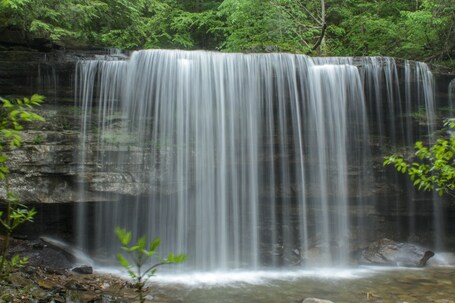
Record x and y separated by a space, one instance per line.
240 161
452 96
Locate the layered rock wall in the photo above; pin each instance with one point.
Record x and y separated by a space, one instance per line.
49 167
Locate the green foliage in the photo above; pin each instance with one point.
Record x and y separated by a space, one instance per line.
12 116
139 257
434 168
18 214
420 30
246 24
50 19
12 264
112 23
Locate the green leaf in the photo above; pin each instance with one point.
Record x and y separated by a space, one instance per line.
180 258
123 261
155 244
123 235
132 274
170 258
141 243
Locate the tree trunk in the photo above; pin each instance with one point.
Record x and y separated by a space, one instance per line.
319 46
324 26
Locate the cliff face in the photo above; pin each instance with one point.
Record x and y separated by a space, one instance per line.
50 167
45 169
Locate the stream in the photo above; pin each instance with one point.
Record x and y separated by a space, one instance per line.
364 284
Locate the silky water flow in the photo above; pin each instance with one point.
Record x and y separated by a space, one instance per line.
241 161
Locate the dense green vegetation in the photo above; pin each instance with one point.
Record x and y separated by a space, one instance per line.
415 29
432 168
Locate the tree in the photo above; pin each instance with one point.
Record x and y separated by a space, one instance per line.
430 31
304 20
248 25
57 21
12 116
273 25
434 167
106 23
418 30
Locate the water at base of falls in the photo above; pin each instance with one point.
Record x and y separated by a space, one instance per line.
404 285
363 285
195 279
240 161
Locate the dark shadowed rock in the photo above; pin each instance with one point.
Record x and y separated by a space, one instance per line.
83 269
52 255
389 252
42 255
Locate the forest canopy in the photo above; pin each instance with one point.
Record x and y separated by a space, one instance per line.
412 29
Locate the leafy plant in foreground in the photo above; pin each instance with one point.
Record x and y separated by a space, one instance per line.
12 115
434 168
140 267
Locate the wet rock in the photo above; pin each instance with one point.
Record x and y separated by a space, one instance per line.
18 279
53 256
76 285
389 252
314 300
47 257
47 283
83 269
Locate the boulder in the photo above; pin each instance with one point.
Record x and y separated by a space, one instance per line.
53 255
40 254
314 300
389 252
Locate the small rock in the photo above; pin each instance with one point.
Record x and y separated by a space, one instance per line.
315 300
46 284
74 285
18 279
55 271
59 300
38 246
105 285
83 269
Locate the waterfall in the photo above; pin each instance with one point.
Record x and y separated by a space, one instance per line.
241 161
452 96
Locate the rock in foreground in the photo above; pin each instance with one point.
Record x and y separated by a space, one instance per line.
389 252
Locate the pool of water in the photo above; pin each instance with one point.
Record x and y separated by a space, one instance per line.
364 284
